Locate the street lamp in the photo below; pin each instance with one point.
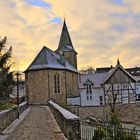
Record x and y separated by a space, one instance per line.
17 77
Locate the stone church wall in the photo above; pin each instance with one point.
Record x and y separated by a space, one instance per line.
60 98
37 87
72 84
40 86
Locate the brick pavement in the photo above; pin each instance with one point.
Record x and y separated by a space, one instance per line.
38 125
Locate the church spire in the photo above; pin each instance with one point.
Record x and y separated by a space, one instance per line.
65 43
66 48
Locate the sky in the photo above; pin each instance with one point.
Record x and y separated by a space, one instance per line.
102 31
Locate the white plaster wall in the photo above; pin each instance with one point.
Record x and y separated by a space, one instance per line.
96 93
138 91
123 96
73 101
137 88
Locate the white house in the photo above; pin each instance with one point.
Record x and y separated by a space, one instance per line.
135 72
91 90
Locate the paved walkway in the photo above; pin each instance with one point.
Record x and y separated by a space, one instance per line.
38 125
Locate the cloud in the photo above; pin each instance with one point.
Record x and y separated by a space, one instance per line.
39 3
101 31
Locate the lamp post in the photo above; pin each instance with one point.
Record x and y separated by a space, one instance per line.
17 77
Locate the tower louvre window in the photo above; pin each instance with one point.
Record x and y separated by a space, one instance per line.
57 83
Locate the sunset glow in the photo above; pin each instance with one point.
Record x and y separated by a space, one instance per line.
101 31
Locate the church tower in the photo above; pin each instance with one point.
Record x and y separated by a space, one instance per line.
66 48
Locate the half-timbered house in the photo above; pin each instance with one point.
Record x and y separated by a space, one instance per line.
119 86
101 88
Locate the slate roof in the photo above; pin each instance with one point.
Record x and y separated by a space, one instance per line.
97 79
103 69
134 71
49 59
65 43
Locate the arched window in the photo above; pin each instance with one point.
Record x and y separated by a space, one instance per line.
89 88
57 83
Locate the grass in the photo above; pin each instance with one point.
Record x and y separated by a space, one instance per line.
4 106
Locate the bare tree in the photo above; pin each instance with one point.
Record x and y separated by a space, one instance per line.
88 70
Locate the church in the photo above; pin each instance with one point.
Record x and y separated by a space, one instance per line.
53 74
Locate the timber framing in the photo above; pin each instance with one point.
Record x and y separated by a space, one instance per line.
119 86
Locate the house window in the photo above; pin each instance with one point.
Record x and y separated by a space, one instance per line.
101 100
90 97
89 88
138 97
125 86
57 83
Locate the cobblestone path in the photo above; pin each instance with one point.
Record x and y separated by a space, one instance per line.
38 125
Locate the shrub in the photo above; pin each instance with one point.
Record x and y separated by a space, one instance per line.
4 106
99 134
129 136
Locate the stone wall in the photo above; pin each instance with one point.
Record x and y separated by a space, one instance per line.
72 84
41 88
8 116
129 113
37 87
83 112
58 97
69 123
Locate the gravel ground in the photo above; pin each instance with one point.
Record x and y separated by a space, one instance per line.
38 125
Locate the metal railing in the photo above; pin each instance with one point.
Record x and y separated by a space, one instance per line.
107 132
